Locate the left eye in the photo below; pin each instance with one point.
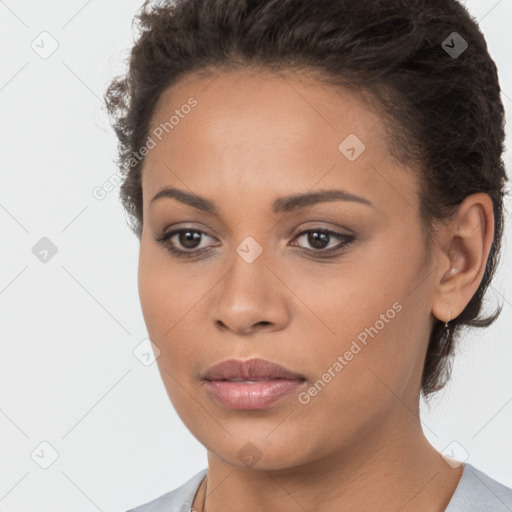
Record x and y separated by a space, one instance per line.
319 239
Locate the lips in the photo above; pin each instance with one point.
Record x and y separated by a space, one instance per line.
252 384
250 370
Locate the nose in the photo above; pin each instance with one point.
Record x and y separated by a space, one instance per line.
251 297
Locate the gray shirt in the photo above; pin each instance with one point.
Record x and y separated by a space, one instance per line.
476 492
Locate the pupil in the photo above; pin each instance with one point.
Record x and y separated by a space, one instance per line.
189 238
318 240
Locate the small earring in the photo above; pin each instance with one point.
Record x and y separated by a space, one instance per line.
447 328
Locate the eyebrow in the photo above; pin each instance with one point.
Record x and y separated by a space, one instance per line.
280 205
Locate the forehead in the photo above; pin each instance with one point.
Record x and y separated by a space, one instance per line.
259 132
296 102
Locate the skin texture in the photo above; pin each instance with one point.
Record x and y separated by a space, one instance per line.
358 444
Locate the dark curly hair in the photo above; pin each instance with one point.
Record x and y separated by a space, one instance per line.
442 108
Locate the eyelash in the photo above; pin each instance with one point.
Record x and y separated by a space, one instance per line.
165 237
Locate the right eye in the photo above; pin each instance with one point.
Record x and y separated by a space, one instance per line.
187 238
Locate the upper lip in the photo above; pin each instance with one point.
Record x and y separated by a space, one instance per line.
250 369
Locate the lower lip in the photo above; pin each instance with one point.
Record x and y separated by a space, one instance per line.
255 395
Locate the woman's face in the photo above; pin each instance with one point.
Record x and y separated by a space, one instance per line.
337 290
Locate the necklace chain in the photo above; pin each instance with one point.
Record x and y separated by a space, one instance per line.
201 497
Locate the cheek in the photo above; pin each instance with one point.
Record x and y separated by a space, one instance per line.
161 302
165 293
364 313
172 303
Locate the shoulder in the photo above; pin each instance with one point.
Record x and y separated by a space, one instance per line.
478 492
178 500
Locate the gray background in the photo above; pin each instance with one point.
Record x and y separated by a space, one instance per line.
69 326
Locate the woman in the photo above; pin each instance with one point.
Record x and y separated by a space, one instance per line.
317 188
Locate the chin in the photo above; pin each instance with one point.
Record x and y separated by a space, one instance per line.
251 450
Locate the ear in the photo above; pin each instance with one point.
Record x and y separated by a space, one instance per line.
463 248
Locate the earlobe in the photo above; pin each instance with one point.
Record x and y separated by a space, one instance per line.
467 243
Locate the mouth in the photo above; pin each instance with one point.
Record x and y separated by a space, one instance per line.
249 370
251 384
